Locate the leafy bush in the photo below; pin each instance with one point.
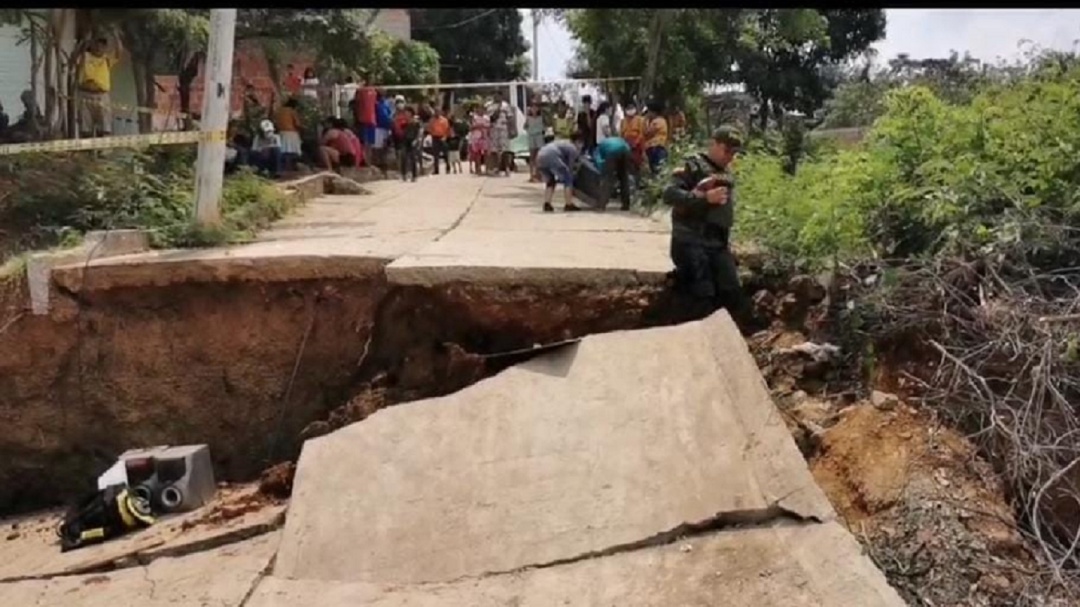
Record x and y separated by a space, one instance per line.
53 197
999 174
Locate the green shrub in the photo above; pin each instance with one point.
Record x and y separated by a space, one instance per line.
56 197
999 174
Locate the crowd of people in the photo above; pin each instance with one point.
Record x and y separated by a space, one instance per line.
390 132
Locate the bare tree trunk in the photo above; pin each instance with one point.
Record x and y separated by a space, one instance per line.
656 36
184 81
145 89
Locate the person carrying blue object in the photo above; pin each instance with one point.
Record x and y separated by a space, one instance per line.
612 160
556 162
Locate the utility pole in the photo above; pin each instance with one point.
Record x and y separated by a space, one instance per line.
536 44
210 165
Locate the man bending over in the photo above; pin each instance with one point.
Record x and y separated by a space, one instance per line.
556 162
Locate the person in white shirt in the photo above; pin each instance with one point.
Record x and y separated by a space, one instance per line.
310 85
604 127
266 149
348 94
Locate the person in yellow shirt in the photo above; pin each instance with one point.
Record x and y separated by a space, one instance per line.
95 87
656 137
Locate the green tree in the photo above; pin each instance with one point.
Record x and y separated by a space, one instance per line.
781 55
474 45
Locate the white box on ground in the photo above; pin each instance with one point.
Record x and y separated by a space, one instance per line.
174 479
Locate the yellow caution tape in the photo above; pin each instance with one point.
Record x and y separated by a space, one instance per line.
119 141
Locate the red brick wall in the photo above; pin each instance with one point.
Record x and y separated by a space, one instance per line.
249 66
395 21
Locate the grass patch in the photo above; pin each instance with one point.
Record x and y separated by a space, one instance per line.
54 199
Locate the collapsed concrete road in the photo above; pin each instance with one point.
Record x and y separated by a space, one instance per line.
637 468
634 468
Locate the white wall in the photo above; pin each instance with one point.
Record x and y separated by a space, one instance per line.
14 70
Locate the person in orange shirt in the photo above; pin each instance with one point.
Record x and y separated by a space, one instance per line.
633 131
439 129
656 137
287 121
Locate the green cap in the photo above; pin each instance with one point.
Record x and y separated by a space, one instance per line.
729 135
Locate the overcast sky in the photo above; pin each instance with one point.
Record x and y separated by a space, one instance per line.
985 33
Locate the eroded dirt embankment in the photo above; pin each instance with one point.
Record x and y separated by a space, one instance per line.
252 368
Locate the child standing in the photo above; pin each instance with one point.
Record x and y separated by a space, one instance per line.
534 127
479 142
411 132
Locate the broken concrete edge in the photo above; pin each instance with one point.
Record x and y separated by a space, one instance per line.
96 244
307 187
414 274
722 522
169 268
172 269
142 555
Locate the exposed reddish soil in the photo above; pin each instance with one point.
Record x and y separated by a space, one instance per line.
930 511
248 367
199 363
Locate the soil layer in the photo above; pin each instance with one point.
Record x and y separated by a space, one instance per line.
252 368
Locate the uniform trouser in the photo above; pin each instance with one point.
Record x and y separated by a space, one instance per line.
616 170
439 150
705 272
407 160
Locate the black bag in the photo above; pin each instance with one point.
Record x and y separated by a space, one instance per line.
106 514
587 182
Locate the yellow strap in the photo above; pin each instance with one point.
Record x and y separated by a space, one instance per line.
120 141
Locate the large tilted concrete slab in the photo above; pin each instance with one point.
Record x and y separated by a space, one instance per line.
603 446
805 566
222 577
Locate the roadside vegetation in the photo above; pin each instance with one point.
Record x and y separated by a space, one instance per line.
52 200
952 242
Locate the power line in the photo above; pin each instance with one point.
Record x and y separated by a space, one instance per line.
459 23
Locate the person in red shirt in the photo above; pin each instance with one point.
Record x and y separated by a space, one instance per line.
401 118
340 147
292 80
365 113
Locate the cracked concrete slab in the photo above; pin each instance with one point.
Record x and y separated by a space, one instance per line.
440 229
625 436
222 577
33 550
536 256
794 566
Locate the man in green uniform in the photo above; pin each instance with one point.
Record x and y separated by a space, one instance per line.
702 197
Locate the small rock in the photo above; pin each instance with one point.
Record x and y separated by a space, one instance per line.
685 548
315 429
807 289
817 352
813 412
14 535
347 187
884 400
